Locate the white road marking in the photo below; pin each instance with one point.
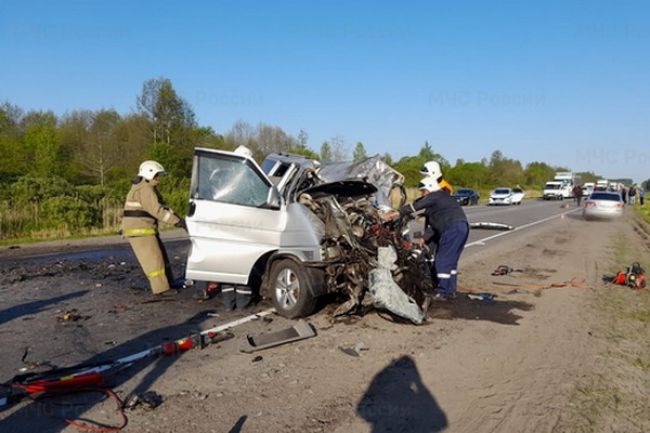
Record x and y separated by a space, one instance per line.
525 226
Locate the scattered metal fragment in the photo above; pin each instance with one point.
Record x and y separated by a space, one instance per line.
490 226
349 351
354 351
148 400
487 297
387 294
300 331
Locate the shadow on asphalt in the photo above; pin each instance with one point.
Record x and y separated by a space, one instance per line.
34 307
46 416
493 311
397 401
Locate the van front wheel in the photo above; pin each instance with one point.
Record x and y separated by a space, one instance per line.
290 289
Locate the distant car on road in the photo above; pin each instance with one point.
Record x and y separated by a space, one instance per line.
501 196
466 196
517 195
603 205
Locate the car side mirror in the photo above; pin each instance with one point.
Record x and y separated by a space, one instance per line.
274 200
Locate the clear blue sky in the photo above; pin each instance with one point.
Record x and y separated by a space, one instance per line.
565 82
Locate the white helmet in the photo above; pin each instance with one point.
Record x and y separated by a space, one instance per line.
430 184
243 151
149 170
431 168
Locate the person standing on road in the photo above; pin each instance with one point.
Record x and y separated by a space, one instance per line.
641 194
577 194
446 232
143 210
632 195
432 169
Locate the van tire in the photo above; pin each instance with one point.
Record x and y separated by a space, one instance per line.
290 289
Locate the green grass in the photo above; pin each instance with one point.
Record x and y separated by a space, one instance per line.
53 235
644 211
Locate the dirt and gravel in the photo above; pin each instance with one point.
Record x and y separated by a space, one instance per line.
557 351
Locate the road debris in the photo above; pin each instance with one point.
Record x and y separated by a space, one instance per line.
504 270
486 297
386 293
72 316
490 226
148 400
33 364
354 351
300 331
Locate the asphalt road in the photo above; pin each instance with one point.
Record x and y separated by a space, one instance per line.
527 216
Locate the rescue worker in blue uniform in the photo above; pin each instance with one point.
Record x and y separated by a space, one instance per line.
446 232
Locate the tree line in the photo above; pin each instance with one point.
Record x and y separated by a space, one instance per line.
68 174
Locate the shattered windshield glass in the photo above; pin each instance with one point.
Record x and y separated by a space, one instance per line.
231 180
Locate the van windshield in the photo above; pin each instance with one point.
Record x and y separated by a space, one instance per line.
552 186
230 180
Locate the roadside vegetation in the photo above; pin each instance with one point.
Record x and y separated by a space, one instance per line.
643 211
616 398
66 175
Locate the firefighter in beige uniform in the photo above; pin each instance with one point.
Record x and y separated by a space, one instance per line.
143 209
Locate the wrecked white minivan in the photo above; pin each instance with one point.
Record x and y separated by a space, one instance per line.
295 230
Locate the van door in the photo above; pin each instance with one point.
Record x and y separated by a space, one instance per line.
235 217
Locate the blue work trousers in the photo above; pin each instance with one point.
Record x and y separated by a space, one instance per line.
450 247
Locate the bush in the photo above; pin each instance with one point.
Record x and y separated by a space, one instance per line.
37 189
70 213
91 193
176 193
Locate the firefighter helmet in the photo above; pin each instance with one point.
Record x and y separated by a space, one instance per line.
243 151
431 168
149 170
429 184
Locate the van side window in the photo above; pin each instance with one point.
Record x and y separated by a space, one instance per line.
230 180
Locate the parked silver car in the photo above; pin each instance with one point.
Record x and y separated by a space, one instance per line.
603 205
292 227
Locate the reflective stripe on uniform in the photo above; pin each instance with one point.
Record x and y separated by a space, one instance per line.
244 291
133 204
444 276
155 274
228 289
139 232
454 272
